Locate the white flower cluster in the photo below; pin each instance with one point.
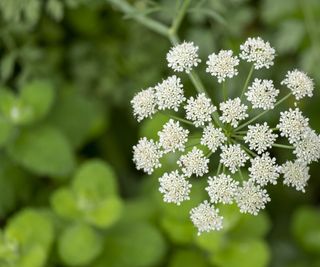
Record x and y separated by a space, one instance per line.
262 94
233 111
260 137
183 57
199 110
222 65
247 149
259 52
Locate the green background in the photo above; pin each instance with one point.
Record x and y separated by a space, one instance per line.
69 192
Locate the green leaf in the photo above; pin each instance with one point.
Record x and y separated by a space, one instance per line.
306 228
290 36
6 130
252 226
64 204
150 127
55 9
78 117
132 245
95 180
43 151
13 108
39 96
78 245
21 11
105 213
30 227
188 258
245 253
7 65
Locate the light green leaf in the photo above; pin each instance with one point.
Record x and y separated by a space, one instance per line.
43 150
64 204
30 227
188 258
78 245
55 9
244 253
6 130
7 65
251 226
306 228
132 245
39 96
78 117
290 36
95 180
105 213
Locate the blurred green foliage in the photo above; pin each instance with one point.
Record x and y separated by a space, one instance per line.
69 193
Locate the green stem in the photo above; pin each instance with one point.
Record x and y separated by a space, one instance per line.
179 17
245 86
178 118
154 25
262 113
219 168
216 119
251 153
283 146
241 175
196 82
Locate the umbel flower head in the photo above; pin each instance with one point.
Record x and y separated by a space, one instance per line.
245 143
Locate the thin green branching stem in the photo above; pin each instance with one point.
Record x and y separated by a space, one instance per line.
192 145
196 82
264 112
249 152
216 119
209 154
219 168
237 137
241 175
283 146
179 17
178 118
245 86
128 9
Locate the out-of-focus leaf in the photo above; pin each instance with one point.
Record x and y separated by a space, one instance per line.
39 96
244 253
105 213
149 128
7 65
273 10
306 228
250 226
78 117
6 130
132 245
64 204
43 150
78 245
21 11
289 36
32 232
95 180
55 9
188 258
